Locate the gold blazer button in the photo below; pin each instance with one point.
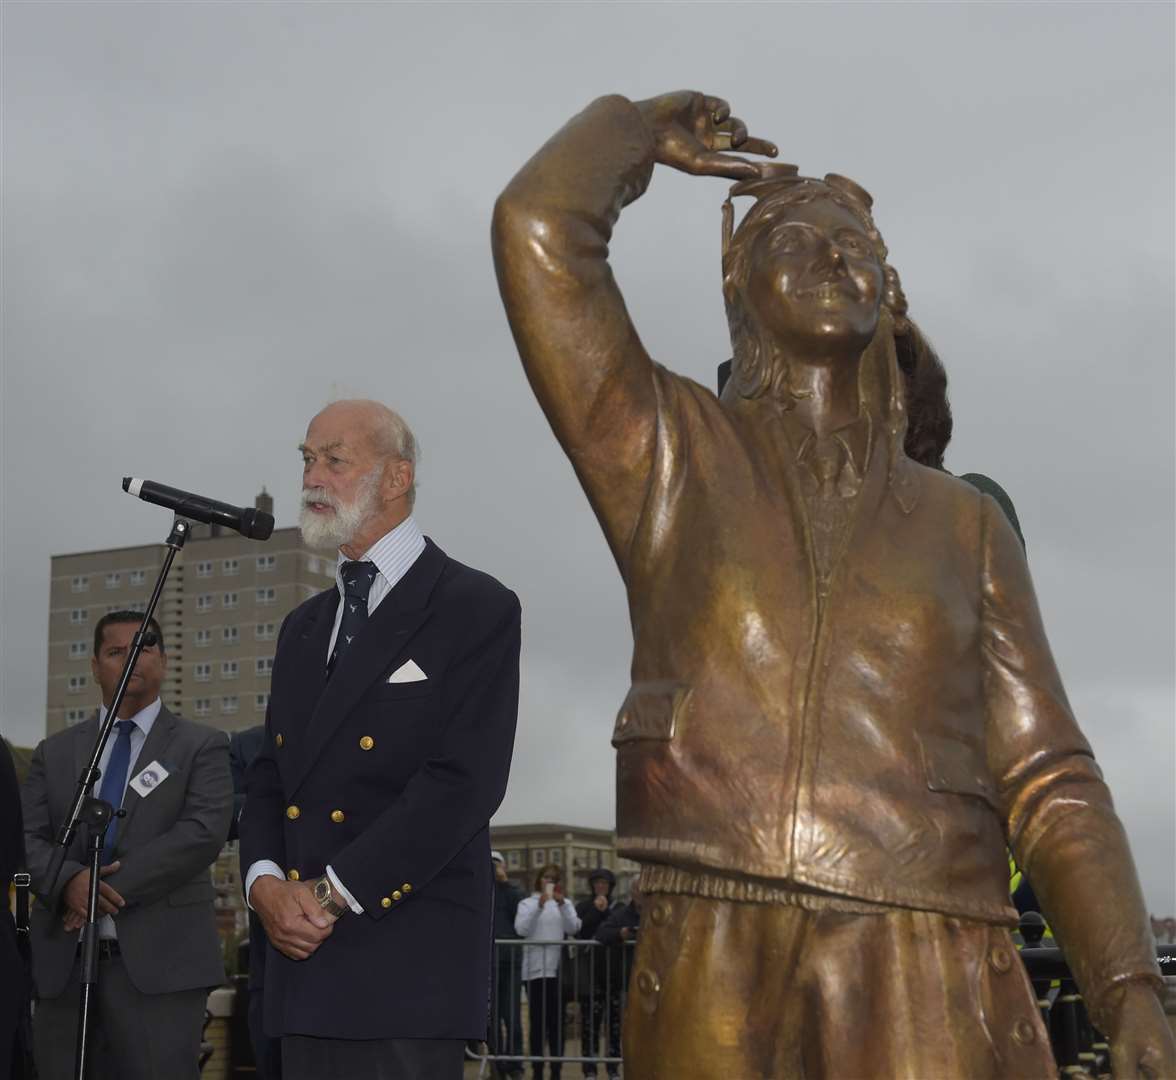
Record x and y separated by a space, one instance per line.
293 875
278 740
367 742
396 895
385 901
292 812
336 816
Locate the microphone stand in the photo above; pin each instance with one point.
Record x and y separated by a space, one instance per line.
97 814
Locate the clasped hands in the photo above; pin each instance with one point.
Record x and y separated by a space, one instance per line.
76 893
293 919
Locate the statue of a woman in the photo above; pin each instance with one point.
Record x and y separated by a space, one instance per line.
843 700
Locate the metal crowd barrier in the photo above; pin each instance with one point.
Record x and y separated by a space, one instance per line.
1079 1048
572 1017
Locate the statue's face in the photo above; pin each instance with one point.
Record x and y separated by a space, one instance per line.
815 279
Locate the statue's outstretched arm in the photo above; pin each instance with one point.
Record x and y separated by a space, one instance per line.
1061 823
550 236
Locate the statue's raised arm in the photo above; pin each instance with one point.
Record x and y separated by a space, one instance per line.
551 230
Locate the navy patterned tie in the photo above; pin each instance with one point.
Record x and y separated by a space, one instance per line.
357 583
114 782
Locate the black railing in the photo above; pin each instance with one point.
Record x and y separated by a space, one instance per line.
1079 1048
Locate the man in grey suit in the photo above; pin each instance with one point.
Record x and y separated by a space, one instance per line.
159 951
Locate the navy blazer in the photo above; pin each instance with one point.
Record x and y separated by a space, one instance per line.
393 784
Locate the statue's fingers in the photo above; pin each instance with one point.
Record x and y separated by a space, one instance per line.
717 108
752 145
735 131
715 164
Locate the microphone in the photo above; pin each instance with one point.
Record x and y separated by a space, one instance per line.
248 521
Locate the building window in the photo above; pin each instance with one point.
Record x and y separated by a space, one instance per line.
557 856
78 649
230 635
266 563
514 859
112 608
268 595
265 631
265 665
78 683
76 716
231 567
230 703
204 569
79 615
202 706
81 583
231 600
202 672
230 669
538 856
203 638
113 579
204 603
261 702
138 577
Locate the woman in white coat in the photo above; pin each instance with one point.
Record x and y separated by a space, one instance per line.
545 916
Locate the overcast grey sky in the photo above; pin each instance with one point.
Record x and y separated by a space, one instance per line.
218 216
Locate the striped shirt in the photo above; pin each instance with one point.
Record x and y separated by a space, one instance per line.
394 553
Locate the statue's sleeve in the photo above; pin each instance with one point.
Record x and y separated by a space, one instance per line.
588 368
1061 824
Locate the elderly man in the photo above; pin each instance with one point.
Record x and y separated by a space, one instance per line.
159 953
365 837
843 700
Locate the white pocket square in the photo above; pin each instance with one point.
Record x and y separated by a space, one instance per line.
408 672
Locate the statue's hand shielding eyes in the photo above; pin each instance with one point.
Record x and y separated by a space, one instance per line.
690 130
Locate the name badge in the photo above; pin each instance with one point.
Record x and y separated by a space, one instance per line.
149 779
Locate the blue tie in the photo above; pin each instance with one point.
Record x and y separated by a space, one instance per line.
357 583
114 782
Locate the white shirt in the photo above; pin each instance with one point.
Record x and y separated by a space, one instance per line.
143 721
394 555
547 923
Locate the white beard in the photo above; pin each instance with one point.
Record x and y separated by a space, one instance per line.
334 530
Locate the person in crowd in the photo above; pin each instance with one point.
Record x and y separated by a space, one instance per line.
619 933
506 1022
159 953
598 982
545 917
14 987
267 1052
623 922
389 735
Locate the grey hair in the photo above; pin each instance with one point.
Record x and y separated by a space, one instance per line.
394 440
392 437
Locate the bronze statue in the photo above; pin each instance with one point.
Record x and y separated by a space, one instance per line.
843 702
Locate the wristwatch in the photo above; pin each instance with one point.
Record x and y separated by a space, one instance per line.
322 893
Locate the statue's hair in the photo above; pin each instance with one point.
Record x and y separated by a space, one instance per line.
929 422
